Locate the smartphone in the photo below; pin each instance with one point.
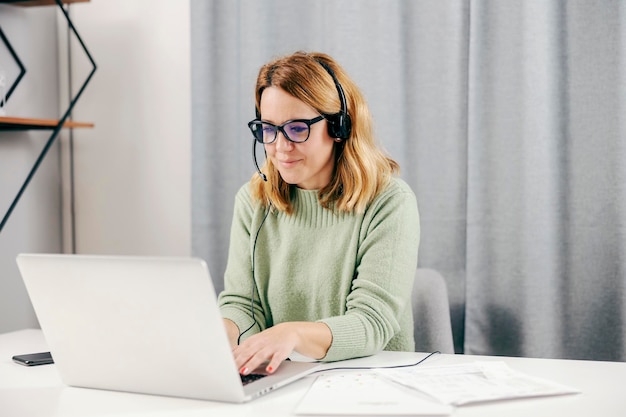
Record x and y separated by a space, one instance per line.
33 359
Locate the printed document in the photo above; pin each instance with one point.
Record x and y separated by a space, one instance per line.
474 382
365 393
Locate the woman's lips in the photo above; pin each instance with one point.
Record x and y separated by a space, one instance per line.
289 164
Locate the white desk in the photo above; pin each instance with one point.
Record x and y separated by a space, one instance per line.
38 391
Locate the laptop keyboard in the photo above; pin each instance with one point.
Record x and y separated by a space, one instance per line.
246 379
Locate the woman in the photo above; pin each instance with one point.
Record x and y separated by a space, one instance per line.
324 241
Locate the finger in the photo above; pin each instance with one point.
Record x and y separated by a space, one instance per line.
253 363
249 358
274 363
242 357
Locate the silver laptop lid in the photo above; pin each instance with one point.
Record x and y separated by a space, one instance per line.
137 324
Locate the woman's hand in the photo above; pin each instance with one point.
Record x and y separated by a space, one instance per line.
272 346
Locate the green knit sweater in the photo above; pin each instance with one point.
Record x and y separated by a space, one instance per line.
353 272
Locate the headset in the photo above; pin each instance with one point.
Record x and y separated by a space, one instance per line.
339 124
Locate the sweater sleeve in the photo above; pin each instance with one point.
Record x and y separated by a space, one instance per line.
385 269
235 301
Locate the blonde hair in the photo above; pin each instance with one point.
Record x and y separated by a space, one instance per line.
362 169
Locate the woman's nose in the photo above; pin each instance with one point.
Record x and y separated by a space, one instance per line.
282 143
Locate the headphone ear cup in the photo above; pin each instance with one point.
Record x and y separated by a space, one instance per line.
339 125
345 125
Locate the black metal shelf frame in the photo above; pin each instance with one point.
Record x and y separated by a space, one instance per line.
16 58
61 121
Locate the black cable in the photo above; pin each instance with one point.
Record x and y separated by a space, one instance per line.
380 367
253 277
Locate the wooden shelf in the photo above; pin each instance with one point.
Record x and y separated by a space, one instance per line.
20 123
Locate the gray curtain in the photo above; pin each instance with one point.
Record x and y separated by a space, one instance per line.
507 118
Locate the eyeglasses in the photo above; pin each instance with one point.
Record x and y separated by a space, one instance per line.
296 131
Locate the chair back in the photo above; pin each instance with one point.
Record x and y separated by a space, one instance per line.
431 312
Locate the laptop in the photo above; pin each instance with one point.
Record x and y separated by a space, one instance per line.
147 325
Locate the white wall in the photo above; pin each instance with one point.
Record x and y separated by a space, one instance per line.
132 172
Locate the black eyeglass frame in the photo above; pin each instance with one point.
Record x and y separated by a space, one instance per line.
257 122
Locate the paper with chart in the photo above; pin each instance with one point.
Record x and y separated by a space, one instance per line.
365 393
474 382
